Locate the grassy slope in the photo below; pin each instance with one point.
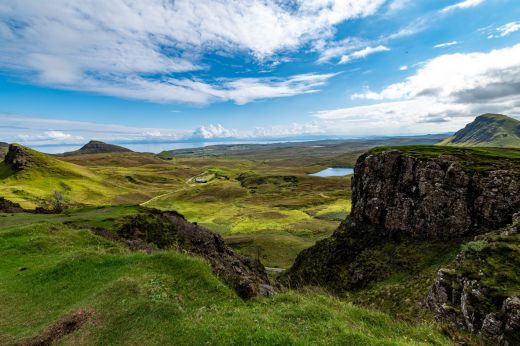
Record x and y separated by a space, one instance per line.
488 130
51 270
46 174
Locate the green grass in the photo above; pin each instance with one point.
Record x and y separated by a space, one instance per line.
50 270
477 159
300 211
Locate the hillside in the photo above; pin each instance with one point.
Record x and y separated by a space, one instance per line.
488 130
97 147
92 290
30 178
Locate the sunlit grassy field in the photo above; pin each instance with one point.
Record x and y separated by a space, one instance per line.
264 209
51 271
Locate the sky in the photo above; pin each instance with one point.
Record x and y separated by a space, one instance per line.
140 71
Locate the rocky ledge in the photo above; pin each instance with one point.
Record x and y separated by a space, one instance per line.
164 229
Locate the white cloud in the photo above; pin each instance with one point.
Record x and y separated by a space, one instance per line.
49 136
363 53
460 77
214 131
444 90
60 136
506 29
397 5
462 5
238 90
34 130
446 44
403 68
110 46
330 51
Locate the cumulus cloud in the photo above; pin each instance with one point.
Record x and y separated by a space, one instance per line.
461 5
460 78
214 131
403 68
448 89
363 53
113 47
446 44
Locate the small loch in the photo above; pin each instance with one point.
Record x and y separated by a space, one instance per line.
334 172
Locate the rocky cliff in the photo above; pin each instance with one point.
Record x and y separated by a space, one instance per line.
412 193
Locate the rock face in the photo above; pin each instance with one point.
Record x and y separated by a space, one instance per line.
434 198
16 157
166 229
480 291
400 195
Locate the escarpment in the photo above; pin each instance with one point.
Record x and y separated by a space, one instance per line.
411 194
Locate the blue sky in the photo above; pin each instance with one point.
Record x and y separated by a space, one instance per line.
159 70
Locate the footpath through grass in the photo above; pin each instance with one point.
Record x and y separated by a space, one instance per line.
50 270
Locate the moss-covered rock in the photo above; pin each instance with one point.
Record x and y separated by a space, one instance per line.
479 292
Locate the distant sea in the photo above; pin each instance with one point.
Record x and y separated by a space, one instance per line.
149 147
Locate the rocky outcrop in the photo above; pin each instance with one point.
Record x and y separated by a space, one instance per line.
434 198
16 158
6 206
480 291
170 229
416 193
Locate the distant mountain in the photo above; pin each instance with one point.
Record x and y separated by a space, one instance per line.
97 147
488 130
4 147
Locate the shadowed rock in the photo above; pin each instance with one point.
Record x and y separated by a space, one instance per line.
166 229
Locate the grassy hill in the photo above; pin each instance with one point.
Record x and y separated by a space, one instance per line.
94 291
488 130
44 174
96 147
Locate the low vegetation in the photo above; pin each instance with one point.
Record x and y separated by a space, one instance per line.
133 298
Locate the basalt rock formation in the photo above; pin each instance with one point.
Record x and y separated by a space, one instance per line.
165 229
402 194
480 291
16 158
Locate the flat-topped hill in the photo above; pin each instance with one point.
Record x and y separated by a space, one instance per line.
96 147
